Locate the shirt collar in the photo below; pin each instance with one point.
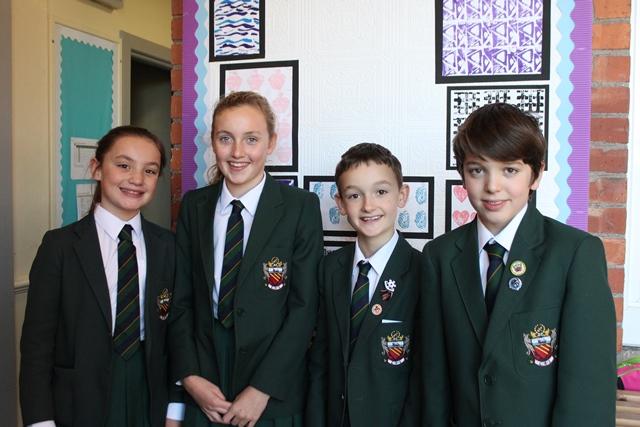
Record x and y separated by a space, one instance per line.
505 237
249 200
380 258
112 225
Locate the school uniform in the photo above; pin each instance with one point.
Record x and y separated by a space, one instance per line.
273 316
546 354
373 382
68 362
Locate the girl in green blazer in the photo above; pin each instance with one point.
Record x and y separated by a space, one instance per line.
246 285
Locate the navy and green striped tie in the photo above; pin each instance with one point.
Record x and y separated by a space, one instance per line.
359 301
494 273
126 335
231 264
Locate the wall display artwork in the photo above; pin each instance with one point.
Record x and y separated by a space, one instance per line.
236 29
334 245
85 109
415 219
290 180
325 188
463 100
458 208
278 82
487 40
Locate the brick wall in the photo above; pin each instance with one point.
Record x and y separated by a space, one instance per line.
610 136
609 131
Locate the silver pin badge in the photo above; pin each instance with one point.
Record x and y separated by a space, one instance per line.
515 283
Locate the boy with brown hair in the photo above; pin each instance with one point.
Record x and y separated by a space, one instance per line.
521 323
363 356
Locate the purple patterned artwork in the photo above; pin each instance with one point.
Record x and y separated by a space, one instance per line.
492 38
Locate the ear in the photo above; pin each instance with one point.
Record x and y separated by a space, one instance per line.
96 170
535 183
340 204
404 195
273 142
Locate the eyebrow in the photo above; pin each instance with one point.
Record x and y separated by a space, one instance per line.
125 157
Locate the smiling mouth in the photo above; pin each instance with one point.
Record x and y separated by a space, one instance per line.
132 193
370 218
493 204
238 165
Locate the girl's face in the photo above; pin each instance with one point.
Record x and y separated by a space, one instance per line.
128 175
241 143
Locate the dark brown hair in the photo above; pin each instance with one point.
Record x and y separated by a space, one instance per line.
366 152
500 132
108 141
239 99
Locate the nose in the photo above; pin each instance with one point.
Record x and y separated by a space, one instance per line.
137 176
493 183
237 150
367 203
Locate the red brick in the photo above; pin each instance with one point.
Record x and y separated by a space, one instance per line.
616 280
610 129
619 339
176 7
610 100
608 190
176 79
176 107
619 304
176 28
175 210
176 183
608 220
604 9
176 133
176 159
176 54
611 69
614 250
613 161
614 35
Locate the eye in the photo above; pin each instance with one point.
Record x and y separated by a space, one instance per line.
381 192
252 140
474 171
151 172
511 171
123 166
224 139
353 196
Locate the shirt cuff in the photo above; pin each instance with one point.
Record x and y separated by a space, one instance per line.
175 411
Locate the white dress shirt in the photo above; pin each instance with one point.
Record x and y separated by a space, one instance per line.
378 263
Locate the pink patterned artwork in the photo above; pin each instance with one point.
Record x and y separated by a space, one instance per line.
459 209
278 82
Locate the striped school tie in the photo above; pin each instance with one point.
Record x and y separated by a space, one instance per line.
359 302
231 264
494 273
126 336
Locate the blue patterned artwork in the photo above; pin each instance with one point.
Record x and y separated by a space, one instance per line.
415 219
236 29
333 224
484 39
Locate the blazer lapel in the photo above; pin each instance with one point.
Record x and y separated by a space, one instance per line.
527 247
206 207
467 277
87 247
341 284
395 270
268 213
156 253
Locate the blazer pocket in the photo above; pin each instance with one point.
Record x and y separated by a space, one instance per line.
273 273
396 345
63 395
534 342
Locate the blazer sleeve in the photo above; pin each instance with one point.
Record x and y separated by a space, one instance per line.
290 345
435 387
587 342
182 348
37 345
316 412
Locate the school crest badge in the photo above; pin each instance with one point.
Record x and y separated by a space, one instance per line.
275 273
163 302
395 348
389 289
541 344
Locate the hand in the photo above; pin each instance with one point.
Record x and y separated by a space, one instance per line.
172 423
247 408
208 396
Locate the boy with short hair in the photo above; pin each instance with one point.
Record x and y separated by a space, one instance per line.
363 355
522 328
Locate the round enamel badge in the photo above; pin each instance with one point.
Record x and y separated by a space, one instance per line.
376 310
518 268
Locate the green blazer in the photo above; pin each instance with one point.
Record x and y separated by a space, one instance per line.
272 326
66 345
547 355
378 388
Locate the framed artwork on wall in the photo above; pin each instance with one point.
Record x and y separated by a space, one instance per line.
278 82
333 224
486 40
415 220
236 29
290 180
463 100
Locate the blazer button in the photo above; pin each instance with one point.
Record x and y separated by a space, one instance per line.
342 397
240 312
489 380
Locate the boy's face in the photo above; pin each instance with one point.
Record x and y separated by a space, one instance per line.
241 143
498 190
370 197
